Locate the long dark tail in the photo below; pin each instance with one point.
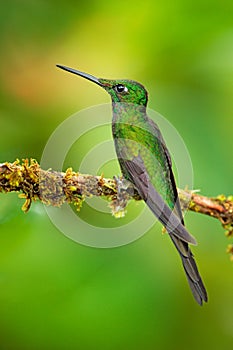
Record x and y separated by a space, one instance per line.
173 221
190 267
180 237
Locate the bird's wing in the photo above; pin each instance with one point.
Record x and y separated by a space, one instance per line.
138 175
179 235
154 129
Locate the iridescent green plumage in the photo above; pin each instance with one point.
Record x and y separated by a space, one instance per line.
145 161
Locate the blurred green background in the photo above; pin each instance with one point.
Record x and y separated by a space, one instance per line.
55 293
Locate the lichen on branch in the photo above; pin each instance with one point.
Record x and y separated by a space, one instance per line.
54 188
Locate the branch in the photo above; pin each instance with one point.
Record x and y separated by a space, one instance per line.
54 188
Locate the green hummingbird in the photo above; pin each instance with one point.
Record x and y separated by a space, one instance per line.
145 162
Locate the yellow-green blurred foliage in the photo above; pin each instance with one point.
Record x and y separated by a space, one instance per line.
55 293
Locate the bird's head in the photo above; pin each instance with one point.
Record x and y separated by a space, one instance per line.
124 91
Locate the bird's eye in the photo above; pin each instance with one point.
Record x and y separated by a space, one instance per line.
121 88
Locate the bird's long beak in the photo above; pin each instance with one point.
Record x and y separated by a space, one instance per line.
81 74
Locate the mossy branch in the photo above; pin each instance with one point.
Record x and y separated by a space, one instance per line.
54 188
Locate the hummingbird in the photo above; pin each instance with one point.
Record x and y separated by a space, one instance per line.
146 162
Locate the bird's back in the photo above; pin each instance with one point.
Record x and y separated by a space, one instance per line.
136 134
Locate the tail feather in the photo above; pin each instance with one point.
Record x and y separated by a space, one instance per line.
135 171
190 267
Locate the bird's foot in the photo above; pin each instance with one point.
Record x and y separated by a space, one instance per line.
123 195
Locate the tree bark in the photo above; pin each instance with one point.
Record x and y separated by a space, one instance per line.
54 188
